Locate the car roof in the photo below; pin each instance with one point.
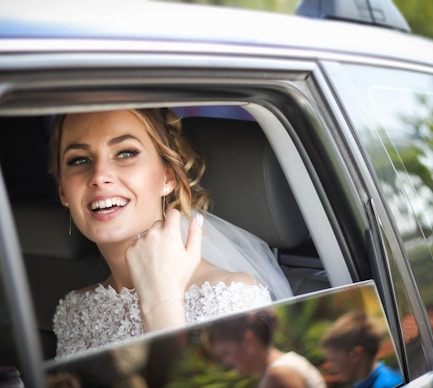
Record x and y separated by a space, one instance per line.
140 20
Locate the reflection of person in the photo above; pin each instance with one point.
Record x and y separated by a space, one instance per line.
351 346
245 343
130 180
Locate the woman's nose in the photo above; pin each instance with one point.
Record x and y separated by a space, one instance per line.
102 173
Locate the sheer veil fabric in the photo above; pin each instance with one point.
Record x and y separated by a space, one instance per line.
236 250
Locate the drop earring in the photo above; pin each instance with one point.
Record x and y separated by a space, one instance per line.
70 219
163 207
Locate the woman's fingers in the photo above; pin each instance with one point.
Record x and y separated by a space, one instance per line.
160 249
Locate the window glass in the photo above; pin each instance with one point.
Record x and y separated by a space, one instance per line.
392 111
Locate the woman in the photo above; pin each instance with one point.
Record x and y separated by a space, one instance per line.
245 343
128 178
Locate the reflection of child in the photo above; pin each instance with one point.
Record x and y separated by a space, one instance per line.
245 343
351 346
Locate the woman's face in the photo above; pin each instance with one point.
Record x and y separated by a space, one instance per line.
111 175
237 355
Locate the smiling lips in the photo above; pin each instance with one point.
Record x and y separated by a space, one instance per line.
108 205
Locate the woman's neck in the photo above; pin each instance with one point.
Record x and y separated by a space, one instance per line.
114 255
273 355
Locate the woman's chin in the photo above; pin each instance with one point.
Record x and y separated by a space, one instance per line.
112 238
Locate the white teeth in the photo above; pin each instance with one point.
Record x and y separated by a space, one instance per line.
107 203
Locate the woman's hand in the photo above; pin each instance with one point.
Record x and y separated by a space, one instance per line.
161 267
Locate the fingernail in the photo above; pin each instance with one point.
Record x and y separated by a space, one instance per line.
198 219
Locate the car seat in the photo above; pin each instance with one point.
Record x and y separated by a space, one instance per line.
56 262
248 188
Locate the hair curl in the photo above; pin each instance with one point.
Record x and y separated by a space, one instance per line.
164 128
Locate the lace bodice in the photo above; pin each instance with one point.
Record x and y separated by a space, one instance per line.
101 316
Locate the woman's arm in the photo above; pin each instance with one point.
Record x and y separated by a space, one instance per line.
161 267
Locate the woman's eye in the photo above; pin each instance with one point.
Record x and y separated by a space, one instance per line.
78 161
126 154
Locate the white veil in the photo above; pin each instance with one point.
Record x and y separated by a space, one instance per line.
236 250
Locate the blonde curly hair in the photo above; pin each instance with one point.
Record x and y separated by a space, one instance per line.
164 128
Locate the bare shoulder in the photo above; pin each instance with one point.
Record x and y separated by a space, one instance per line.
213 274
239 277
283 376
92 287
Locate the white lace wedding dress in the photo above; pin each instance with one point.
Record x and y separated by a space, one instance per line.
102 316
95 318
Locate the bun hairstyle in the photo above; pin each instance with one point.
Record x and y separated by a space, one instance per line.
164 128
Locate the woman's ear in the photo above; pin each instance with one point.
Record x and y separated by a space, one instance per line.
170 181
248 336
62 195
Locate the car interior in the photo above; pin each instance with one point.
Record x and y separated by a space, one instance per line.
243 176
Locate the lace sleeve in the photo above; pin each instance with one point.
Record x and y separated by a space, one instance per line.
64 326
95 318
213 301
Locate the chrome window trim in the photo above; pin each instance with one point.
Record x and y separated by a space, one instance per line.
21 54
425 381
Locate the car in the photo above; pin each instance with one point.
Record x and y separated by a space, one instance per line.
317 133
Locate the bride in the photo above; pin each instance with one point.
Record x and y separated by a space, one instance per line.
131 183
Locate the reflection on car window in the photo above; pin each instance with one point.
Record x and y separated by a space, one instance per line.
392 111
252 349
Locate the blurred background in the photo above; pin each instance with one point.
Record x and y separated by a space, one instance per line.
418 13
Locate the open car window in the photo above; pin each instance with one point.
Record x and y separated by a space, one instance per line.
58 262
193 357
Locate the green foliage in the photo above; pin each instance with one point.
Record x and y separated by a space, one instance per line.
197 369
282 6
419 14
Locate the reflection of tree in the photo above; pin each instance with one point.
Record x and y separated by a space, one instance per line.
408 141
198 369
300 326
417 156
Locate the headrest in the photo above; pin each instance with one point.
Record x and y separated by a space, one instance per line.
43 230
245 181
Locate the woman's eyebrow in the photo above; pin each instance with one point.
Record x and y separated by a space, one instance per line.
76 146
86 147
122 138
